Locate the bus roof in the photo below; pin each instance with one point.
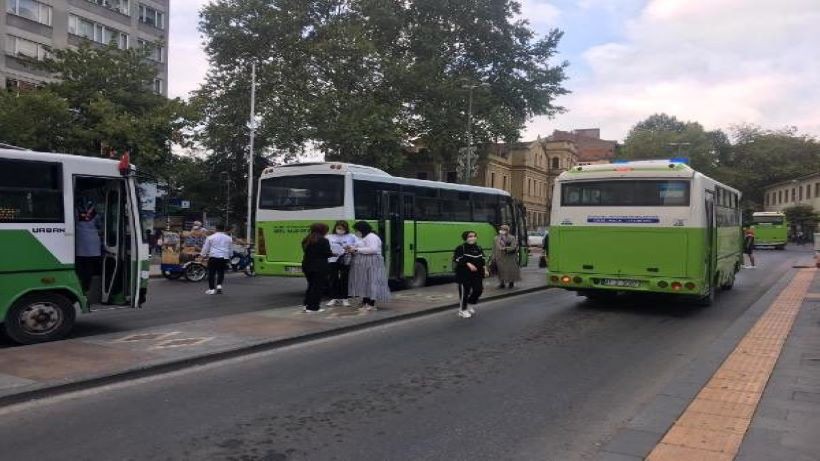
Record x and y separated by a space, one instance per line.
367 173
767 213
81 164
640 168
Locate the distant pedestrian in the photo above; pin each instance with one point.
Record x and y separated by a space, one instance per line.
368 277
505 257
218 248
340 240
315 265
749 247
470 265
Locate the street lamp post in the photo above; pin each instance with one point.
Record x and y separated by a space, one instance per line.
227 198
252 127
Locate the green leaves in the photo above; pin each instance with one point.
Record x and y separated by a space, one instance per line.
363 79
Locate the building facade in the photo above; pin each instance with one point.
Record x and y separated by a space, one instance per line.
527 170
31 28
804 190
591 148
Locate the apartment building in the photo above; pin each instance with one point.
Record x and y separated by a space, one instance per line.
804 190
31 28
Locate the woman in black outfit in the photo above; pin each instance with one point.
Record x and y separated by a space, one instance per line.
470 272
315 265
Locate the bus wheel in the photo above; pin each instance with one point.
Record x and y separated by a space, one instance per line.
709 299
781 247
39 317
419 276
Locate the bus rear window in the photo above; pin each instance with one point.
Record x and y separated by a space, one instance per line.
626 193
771 220
308 192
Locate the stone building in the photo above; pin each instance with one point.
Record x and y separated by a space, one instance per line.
527 170
29 29
804 190
591 148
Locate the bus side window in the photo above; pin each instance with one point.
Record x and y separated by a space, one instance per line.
31 192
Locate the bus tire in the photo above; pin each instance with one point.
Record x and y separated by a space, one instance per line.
708 299
781 247
39 317
419 279
730 283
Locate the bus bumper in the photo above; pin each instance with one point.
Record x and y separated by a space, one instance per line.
277 268
627 283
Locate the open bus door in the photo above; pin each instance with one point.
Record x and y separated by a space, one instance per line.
391 229
521 234
710 249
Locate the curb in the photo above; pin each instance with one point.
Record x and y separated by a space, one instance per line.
46 390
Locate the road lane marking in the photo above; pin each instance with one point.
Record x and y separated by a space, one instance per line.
713 426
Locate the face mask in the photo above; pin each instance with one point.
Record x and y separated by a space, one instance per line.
340 232
358 234
472 240
503 232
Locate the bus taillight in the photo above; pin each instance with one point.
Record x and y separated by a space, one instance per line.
566 279
690 286
676 286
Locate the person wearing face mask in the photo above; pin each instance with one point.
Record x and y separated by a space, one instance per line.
368 276
505 256
340 240
470 264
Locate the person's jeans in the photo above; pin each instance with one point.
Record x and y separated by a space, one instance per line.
216 271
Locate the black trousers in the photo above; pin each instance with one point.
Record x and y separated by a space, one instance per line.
87 267
316 286
216 271
470 290
339 276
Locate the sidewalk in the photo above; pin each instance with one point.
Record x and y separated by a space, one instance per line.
787 422
45 369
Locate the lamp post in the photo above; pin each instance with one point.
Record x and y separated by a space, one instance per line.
227 177
468 160
252 125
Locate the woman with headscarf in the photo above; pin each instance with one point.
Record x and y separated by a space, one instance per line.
315 265
368 277
505 256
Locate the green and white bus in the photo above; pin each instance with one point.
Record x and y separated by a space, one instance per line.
40 288
645 226
420 222
771 229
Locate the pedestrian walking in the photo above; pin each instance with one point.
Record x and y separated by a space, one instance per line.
505 258
470 268
749 247
340 239
218 248
315 265
368 277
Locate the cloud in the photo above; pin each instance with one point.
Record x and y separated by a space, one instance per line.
540 13
187 62
720 62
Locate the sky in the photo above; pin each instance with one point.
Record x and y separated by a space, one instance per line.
718 62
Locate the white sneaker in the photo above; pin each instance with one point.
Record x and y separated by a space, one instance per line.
465 314
346 302
219 289
308 311
210 292
471 310
332 303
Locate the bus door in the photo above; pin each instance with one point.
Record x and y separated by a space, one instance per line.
521 234
391 228
123 249
711 237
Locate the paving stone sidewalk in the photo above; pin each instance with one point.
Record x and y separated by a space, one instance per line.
786 425
44 369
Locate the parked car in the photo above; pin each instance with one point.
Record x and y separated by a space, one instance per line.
535 238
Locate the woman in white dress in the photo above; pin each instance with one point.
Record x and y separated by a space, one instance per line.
368 276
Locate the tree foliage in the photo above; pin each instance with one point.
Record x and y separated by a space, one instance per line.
102 99
363 79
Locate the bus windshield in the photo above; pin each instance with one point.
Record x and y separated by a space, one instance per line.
626 193
772 220
307 192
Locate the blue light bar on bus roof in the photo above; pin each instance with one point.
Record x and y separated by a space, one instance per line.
684 160
619 160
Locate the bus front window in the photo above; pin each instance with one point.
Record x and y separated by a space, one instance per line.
769 220
307 192
625 193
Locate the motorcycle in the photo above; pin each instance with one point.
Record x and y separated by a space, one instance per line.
243 261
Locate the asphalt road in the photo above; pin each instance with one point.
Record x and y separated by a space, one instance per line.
541 376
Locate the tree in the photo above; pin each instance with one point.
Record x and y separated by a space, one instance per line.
803 218
101 100
664 136
363 79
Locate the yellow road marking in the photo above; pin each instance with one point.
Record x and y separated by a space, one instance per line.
713 426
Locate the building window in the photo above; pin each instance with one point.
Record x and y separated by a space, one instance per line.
30 9
817 189
794 195
96 32
156 51
152 17
20 85
158 86
120 6
800 193
504 182
17 46
555 163
780 197
492 179
808 191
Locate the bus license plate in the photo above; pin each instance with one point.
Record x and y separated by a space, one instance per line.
621 283
293 269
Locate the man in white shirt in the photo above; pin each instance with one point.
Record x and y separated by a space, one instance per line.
218 248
